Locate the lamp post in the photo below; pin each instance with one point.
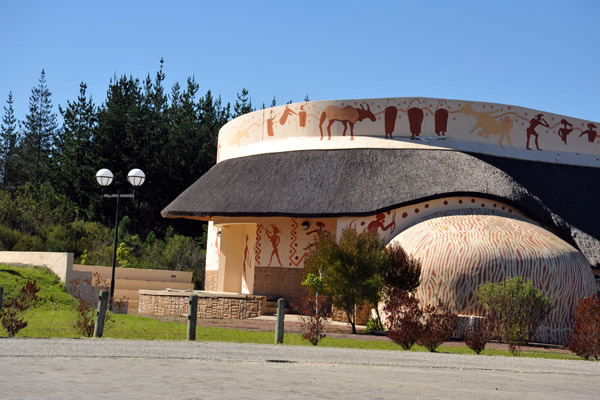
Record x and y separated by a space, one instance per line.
136 178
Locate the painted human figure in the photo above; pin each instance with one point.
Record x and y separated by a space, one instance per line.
415 119
565 130
246 256
535 121
275 239
286 113
441 119
270 131
379 223
591 132
320 229
302 117
390 120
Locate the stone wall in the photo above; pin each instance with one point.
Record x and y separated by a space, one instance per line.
363 313
279 282
211 305
210 280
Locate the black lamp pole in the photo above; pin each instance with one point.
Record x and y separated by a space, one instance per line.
136 178
118 196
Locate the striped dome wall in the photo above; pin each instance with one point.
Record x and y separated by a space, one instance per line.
459 252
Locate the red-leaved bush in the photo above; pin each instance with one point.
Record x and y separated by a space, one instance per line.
315 312
478 335
404 319
438 325
585 341
11 315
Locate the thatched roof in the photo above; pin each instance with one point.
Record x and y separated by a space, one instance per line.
360 182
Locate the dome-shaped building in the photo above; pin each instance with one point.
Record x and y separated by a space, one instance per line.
510 189
461 251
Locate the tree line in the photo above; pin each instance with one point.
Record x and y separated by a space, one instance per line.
47 167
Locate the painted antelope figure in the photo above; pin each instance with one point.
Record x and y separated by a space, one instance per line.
489 125
345 115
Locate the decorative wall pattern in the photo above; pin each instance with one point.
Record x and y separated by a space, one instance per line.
212 247
459 252
282 242
476 126
391 223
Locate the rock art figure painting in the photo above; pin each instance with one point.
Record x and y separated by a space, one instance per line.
441 120
591 132
379 223
565 130
302 117
275 240
320 229
345 115
390 115
246 256
270 120
487 125
535 121
286 113
415 119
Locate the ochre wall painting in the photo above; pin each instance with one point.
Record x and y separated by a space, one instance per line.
282 242
390 223
516 131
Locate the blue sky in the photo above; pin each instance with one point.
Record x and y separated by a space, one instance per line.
539 54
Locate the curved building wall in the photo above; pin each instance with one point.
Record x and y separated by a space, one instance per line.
460 252
488 128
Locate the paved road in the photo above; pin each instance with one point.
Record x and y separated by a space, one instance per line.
127 369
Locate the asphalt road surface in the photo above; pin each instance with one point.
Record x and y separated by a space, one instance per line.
128 369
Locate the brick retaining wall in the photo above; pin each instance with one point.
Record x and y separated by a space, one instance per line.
279 282
363 313
211 305
210 280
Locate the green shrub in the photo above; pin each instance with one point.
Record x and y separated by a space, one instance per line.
29 243
517 307
349 268
8 238
374 325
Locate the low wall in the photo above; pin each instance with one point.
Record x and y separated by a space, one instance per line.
59 263
363 313
210 280
211 305
279 282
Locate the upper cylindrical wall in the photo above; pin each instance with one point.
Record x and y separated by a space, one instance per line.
487 128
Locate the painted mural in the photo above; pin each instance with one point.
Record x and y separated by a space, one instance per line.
390 223
463 125
212 247
459 252
282 242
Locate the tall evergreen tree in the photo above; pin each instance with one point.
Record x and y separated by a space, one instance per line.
119 137
243 104
9 139
74 158
39 134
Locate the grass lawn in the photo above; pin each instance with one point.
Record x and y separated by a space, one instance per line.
44 321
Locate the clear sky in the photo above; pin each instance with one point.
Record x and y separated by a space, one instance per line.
539 54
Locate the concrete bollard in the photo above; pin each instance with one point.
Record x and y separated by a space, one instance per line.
192 315
102 303
280 319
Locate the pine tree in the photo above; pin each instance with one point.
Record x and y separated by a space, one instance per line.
75 165
39 134
243 104
9 139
